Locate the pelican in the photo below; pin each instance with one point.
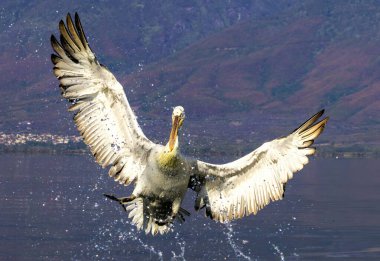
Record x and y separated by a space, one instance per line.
160 173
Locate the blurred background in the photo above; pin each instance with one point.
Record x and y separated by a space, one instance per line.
256 69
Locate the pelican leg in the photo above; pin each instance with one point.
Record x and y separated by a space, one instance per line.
181 214
122 201
208 208
183 211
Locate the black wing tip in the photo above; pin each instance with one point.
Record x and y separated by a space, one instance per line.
319 114
53 38
54 58
324 120
68 16
72 21
55 43
309 122
78 24
61 26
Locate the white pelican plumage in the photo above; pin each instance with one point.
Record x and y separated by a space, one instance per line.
162 175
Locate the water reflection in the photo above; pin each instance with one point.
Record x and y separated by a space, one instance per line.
52 208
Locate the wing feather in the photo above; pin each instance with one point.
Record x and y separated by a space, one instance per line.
73 32
245 186
103 115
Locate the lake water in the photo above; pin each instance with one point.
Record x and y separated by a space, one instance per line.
52 208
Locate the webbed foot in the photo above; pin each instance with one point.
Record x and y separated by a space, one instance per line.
181 214
122 201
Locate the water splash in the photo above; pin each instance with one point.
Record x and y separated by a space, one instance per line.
278 251
182 245
114 234
230 239
150 248
107 235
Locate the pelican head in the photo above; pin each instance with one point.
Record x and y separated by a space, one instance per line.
177 120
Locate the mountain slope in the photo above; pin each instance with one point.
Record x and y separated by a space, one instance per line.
296 63
126 35
269 64
255 78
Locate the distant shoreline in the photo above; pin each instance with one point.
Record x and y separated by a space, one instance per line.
324 151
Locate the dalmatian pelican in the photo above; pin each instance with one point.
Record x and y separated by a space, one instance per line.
161 174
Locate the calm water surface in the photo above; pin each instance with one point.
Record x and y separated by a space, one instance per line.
52 208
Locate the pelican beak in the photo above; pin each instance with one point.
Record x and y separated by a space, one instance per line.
177 122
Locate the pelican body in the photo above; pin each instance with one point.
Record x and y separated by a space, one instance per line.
165 180
160 174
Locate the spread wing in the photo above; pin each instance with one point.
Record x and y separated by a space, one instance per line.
245 186
103 115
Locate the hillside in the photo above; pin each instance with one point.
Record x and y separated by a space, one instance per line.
126 35
256 76
310 57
